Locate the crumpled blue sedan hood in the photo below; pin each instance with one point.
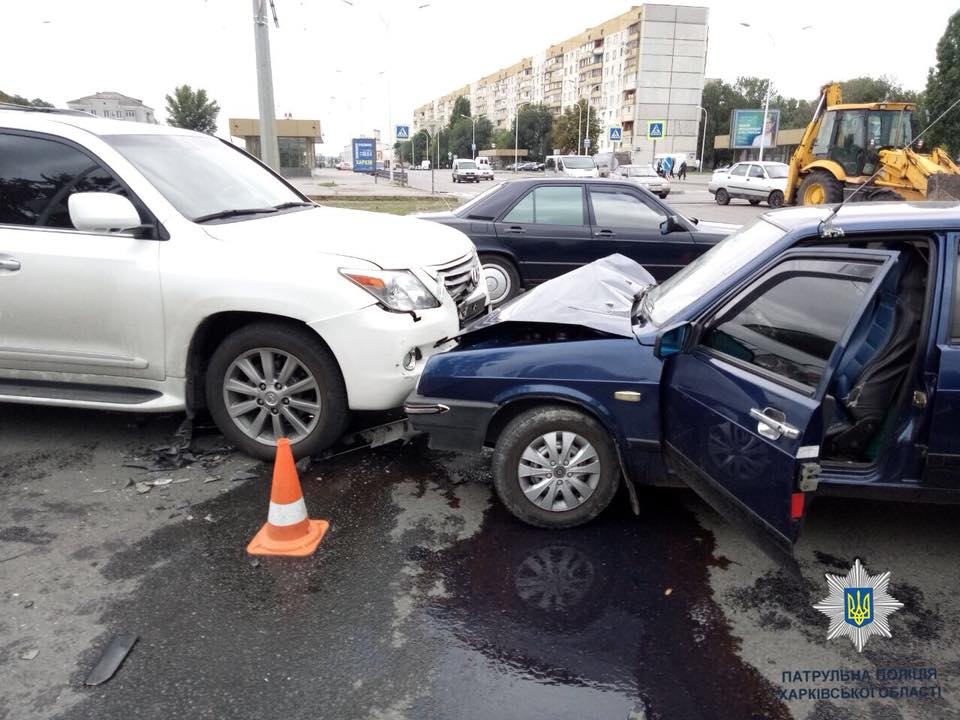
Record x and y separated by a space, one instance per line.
598 296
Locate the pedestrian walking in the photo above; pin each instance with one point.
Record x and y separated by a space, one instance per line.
682 174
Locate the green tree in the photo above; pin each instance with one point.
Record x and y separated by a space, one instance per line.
461 108
536 131
503 139
20 100
571 127
414 150
192 109
943 89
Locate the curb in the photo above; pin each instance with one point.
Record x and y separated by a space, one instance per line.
375 198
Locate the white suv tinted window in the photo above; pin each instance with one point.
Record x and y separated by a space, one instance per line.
38 175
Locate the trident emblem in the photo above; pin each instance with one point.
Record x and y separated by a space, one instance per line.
859 605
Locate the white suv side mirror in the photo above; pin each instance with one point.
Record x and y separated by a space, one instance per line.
102 212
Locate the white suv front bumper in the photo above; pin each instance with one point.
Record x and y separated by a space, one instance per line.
372 344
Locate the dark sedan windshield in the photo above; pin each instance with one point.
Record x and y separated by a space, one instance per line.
720 262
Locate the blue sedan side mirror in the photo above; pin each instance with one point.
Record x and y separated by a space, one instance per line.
671 341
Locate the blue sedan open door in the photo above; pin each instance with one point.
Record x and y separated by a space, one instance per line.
747 400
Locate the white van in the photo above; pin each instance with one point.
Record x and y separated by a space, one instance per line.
484 169
571 165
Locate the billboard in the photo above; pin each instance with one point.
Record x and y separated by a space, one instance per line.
745 128
364 154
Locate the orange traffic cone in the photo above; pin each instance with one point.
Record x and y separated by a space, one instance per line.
288 531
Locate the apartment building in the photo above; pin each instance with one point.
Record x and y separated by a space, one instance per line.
643 66
114 105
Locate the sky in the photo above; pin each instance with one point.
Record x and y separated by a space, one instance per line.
361 64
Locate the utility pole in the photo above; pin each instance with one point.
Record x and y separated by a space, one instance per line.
269 152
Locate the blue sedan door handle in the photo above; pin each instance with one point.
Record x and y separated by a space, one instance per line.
772 424
604 233
516 230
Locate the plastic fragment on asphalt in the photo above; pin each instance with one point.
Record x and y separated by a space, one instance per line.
209 518
29 654
243 475
111 659
143 488
211 479
161 482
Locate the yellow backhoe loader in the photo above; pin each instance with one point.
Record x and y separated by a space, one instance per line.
845 145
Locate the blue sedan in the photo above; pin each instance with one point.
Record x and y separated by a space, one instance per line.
806 353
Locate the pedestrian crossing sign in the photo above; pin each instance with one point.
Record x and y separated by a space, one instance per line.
655 129
403 132
616 134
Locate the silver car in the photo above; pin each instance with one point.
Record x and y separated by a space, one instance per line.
754 182
646 176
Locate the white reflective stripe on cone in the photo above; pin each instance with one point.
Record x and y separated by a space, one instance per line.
289 514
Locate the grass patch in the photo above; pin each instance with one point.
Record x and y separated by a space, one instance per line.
394 206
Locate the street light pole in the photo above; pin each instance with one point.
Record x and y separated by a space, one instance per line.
516 144
703 143
579 124
269 152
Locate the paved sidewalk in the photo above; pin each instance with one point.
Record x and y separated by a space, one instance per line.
346 183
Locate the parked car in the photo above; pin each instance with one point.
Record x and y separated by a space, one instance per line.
755 182
344 165
805 354
608 163
645 176
146 268
465 170
579 166
483 167
532 229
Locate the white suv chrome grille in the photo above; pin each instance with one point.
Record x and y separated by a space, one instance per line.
461 277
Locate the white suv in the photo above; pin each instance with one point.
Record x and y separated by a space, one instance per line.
147 268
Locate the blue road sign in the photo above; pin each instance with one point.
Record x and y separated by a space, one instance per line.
473 146
616 134
403 132
364 154
655 129
586 143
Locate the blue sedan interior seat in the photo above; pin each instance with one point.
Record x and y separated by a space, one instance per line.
877 359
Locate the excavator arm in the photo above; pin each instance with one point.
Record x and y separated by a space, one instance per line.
830 94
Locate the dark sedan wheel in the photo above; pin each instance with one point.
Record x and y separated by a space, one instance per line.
723 197
502 278
555 467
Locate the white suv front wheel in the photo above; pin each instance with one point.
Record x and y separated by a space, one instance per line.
267 381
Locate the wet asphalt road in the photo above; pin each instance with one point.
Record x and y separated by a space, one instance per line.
426 599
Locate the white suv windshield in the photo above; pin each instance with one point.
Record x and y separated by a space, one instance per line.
713 267
582 162
201 176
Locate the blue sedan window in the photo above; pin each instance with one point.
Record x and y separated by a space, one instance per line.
792 327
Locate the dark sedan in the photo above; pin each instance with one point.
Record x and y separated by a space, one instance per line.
532 229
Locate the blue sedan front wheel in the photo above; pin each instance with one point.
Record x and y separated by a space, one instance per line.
555 467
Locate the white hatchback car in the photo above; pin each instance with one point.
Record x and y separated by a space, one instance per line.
755 182
147 268
645 176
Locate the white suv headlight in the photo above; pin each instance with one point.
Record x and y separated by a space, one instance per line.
398 290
